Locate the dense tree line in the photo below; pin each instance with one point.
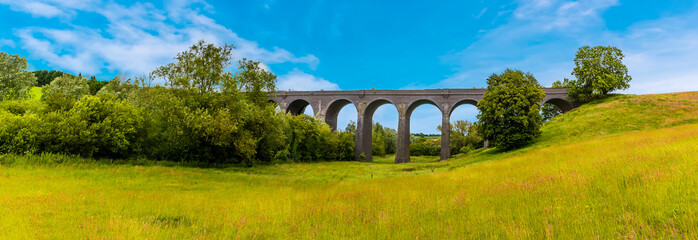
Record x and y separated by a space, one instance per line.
45 77
204 113
464 137
209 114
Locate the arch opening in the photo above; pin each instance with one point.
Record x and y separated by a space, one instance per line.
298 106
467 102
561 104
337 108
425 136
463 134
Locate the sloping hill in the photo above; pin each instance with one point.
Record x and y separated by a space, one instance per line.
622 167
621 113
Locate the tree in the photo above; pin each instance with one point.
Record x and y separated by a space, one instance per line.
15 80
62 93
599 70
464 137
120 87
254 81
95 85
69 86
200 69
510 110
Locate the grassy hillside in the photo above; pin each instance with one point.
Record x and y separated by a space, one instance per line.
623 167
622 113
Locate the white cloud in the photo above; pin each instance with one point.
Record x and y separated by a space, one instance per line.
6 42
137 38
542 37
299 81
661 55
50 8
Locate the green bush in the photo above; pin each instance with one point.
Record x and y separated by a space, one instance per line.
69 86
310 140
96 127
20 133
384 140
426 147
19 107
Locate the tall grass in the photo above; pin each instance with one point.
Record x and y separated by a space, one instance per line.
624 183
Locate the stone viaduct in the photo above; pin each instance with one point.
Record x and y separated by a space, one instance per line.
327 104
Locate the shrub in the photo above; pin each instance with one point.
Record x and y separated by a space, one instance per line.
20 134
426 147
309 140
19 107
68 86
97 126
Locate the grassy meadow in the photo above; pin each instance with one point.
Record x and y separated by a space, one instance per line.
621 167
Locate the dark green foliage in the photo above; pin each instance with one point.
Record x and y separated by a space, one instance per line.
309 139
95 85
97 126
205 115
20 134
384 140
94 127
599 70
426 147
510 111
45 77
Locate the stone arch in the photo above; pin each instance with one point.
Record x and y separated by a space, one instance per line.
420 102
364 133
563 104
297 107
372 106
462 102
333 110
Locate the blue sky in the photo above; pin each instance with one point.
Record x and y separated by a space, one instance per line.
348 45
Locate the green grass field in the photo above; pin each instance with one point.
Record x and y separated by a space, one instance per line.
622 167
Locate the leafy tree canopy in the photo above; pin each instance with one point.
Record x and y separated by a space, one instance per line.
69 86
599 70
510 109
15 80
200 69
464 136
45 77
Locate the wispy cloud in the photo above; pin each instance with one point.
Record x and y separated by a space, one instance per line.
299 81
6 42
137 37
50 8
542 37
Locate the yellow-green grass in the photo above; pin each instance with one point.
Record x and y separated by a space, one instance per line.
621 113
631 182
